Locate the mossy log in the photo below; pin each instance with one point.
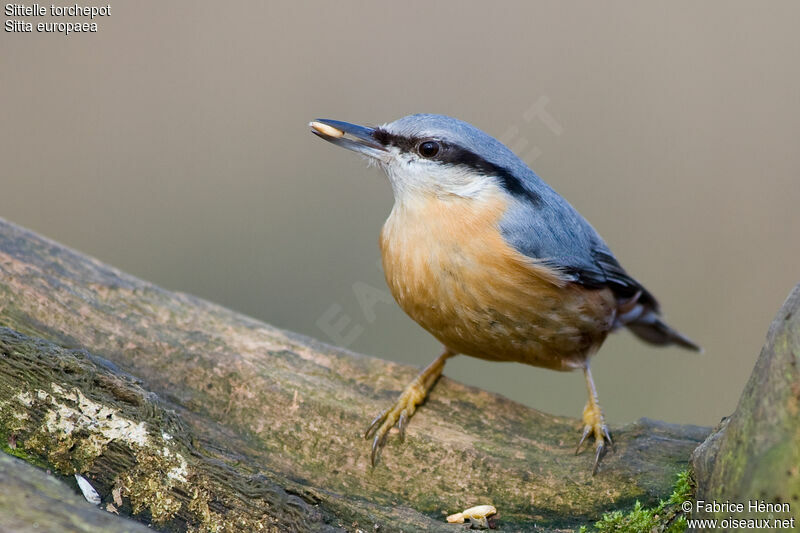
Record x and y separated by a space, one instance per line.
189 416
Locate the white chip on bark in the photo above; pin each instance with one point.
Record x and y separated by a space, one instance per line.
478 516
88 491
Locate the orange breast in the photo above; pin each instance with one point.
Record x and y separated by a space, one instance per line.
449 268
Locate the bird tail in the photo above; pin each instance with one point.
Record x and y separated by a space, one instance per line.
656 331
649 327
640 313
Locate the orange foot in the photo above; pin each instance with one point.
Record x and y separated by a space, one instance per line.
405 406
594 424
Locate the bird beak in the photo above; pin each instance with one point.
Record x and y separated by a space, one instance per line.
351 136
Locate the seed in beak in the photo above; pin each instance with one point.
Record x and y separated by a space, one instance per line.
324 129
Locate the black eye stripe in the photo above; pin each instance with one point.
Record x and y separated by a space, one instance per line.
454 154
405 144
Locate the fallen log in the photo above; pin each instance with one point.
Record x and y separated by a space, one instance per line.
189 416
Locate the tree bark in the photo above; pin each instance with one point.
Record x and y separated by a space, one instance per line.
754 455
35 501
189 416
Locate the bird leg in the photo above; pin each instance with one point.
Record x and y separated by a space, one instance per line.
403 409
593 422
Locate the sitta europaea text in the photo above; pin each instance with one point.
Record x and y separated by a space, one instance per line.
490 260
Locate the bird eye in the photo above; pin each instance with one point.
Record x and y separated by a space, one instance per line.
428 149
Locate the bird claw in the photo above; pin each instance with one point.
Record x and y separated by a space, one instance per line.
376 422
377 446
396 415
595 425
607 436
402 423
600 451
586 430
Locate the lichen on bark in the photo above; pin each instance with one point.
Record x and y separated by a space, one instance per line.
74 416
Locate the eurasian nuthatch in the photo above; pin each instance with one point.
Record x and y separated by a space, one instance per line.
484 255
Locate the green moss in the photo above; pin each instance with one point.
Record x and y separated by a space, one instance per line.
20 453
666 516
12 425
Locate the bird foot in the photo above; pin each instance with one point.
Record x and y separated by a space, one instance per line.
595 425
398 414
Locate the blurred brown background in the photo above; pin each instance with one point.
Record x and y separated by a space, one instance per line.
173 144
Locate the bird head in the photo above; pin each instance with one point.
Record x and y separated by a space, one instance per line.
425 155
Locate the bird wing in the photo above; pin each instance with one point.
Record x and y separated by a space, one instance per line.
556 235
607 272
